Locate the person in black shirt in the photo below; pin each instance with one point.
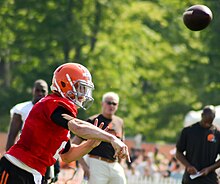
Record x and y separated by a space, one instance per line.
101 166
198 148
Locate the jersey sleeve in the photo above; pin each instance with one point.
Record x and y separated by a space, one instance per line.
17 109
57 117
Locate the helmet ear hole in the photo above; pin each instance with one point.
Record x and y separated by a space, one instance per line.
63 84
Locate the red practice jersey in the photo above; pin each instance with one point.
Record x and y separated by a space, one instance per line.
42 140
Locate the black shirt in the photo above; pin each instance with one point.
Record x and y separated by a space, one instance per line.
104 149
201 146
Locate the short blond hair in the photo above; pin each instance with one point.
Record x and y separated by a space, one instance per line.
110 94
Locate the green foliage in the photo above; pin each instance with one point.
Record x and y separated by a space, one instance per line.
139 49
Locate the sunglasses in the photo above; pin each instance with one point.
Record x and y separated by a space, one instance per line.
111 103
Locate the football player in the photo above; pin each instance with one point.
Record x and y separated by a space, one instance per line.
46 133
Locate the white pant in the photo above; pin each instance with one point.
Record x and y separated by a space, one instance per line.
102 172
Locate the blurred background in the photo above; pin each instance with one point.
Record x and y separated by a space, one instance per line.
138 49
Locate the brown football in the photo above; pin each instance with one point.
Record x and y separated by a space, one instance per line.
197 17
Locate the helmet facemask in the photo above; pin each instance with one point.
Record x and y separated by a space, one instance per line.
81 93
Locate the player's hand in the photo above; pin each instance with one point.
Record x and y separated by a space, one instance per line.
191 170
121 150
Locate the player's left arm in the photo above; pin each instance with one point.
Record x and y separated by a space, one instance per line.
76 151
73 151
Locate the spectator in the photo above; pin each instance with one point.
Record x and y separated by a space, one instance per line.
198 148
102 167
173 166
145 167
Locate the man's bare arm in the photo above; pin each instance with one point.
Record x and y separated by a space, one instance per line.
15 127
189 168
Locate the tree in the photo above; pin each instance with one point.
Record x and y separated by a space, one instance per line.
139 49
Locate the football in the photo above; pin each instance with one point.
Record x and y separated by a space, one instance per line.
197 17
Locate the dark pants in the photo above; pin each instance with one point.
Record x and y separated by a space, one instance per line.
11 174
